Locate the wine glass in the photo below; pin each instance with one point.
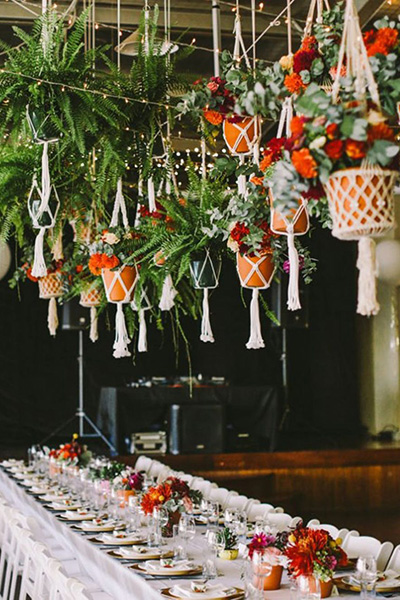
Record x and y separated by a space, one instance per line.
239 526
213 513
308 587
230 516
366 574
187 530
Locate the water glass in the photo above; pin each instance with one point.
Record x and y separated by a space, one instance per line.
177 543
308 587
366 574
187 530
213 513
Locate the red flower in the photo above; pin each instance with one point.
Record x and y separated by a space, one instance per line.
272 152
297 126
309 43
294 83
79 268
355 149
334 149
239 231
303 60
332 131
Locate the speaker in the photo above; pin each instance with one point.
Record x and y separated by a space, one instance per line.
196 428
289 319
74 316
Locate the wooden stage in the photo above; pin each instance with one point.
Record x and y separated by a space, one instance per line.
306 481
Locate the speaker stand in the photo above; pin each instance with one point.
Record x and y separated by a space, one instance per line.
80 413
285 382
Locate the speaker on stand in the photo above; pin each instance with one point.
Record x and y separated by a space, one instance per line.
77 318
288 320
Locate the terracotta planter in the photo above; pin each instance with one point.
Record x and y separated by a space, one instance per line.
120 283
297 216
361 202
241 136
273 581
228 554
205 271
124 495
50 286
174 518
91 297
255 271
326 588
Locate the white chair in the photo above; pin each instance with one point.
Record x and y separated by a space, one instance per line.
221 495
331 529
143 463
203 485
394 562
164 473
364 545
258 511
282 521
239 502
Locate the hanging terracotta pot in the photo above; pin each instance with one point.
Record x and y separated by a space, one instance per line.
92 296
120 283
255 271
240 136
42 128
326 588
205 271
50 286
298 217
361 202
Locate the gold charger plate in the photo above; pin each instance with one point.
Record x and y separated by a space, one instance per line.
119 542
93 529
183 573
237 595
348 587
143 557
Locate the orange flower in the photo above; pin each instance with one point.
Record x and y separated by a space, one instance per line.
297 126
95 263
380 131
294 83
381 41
355 149
266 162
213 117
257 180
79 268
155 497
110 262
309 42
332 131
304 163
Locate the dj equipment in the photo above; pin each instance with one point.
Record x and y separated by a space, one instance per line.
196 428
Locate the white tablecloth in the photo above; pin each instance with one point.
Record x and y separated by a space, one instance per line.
120 582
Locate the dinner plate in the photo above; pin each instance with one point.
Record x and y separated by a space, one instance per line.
150 554
237 594
95 527
345 583
169 572
63 506
122 541
75 516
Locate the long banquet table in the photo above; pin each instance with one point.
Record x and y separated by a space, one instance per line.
115 579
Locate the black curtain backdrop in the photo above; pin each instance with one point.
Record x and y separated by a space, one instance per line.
38 373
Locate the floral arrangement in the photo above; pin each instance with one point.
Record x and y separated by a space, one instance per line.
383 48
316 59
329 137
129 480
112 248
173 493
227 538
261 541
106 471
314 551
72 453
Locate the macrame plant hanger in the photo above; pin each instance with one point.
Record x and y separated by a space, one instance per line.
207 270
43 217
296 221
360 199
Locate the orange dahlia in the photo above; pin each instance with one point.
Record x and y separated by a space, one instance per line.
110 262
304 163
96 263
213 117
294 83
355 149
380 131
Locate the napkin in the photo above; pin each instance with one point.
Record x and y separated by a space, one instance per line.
36 489
109 538
63 505
180 565
213 591
137 551
76 516
90 526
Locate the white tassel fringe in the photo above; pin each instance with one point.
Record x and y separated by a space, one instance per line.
142 338
121 335
167 300
206 331
241 182
255 340
367 304
293 301
94 330
52 316
151 194
39 268
119 207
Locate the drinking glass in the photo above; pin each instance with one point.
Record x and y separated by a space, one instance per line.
213 513
177 542
230 515
262 567
187 530
308 587
251 586
239 526
366 574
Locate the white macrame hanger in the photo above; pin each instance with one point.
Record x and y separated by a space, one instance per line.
141 310
119 207
239 49
39 267
316 6
206 333
353 54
